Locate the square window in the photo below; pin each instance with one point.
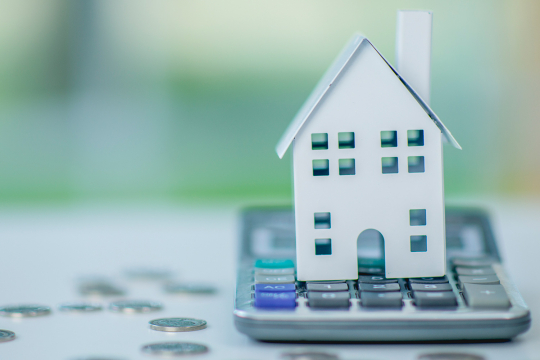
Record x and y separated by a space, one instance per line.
389 165
417 217
321 168
322 220
415 137
319 141
388 138
323 247
416 164
346 140
418 243
346 167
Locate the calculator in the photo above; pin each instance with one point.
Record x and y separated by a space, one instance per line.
476 300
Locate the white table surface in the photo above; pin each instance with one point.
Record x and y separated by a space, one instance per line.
44 249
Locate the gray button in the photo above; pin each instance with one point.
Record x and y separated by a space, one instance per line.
435 299
326 282
378 287
485 279
338 299
475 271
381 299
429 280
274 279
486 296
328 287
263 271
450 356
375 279
482 262
431 287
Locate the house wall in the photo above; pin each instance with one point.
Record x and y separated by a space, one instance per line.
366 99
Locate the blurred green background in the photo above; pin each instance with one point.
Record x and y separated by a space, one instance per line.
187 99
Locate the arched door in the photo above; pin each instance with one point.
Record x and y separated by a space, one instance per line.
370 247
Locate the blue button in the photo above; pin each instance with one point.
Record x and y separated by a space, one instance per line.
274 263
275 300
274 287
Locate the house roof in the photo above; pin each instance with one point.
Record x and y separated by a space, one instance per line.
326 82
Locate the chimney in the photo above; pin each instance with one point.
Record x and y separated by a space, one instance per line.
413 50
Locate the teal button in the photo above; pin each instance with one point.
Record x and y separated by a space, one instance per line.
274 263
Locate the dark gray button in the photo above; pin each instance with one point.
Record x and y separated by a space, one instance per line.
274 279
381 299
375 279
326 282
485 279
431 287
482 262
435 299
486 296
370 270
328 287
339 299
475 271
430 280
378 287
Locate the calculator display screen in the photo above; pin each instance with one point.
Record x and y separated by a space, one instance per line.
271 234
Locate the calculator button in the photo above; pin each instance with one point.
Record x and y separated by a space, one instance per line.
429 280
285 271
271 279
475 271
371 270
326 282
431 287
274 263
381 300
435 299
375 279
486 279
283 300
486 296
274 287
327 287
338 299
482 262
378 287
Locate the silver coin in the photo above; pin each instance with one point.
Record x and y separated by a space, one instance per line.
147 273
450 356
6 335
80 307
174 348
189 288
24 310
100 289
309 355
135 306
177 324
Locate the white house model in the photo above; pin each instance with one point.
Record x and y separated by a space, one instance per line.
367 154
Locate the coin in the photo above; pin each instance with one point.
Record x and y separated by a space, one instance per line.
100 289
6 335
309 355
450 356
28 310
135 306
80 307
143 273
189 288
174 348
177 324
